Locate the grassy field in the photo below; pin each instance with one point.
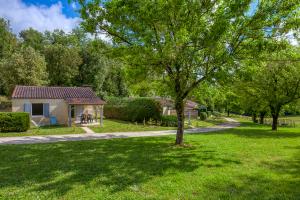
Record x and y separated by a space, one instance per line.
110 125
249 162
45 130
291 120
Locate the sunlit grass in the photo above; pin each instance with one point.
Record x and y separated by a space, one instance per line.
248 162
45 130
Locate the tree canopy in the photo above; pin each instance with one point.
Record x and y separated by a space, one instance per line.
187 42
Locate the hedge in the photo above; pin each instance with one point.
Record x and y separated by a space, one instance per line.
203 115
136 110
169 120
14 121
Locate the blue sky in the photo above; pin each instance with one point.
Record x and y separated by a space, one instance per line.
40 14
68 9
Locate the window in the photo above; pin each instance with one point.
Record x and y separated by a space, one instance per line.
37 109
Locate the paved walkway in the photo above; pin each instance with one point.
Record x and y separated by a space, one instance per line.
87 130
96 136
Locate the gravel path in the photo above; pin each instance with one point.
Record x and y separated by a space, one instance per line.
96 136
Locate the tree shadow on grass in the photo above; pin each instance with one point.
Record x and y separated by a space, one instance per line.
278 179
252 130
116 164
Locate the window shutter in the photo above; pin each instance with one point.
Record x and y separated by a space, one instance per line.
46 109
27 107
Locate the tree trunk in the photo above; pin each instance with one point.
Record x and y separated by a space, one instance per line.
275 114
179 106
228 113
262 117
254 117
275 121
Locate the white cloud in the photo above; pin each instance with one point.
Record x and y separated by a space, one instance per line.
73 5
22 16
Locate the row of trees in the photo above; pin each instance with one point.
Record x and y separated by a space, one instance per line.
266 85
58 59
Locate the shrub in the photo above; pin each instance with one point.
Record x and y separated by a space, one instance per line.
169 120
137 110
143 108
115 112
14 122
203 115
217 114
209 113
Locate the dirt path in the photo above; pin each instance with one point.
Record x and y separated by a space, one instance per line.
231 123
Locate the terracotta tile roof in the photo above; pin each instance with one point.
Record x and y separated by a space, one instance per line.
170 103
191 104
78 94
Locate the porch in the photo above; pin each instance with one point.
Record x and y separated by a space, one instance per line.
85 111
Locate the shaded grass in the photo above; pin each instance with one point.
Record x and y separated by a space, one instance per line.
45 130
110 125
248 162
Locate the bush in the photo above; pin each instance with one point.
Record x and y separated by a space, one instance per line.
169 120
209 113
14 122
115 112
137 110
217 114
203 115
141 109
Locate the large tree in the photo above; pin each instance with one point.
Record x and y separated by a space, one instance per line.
186 41
8 44
24 67
62 64
271 82
33 38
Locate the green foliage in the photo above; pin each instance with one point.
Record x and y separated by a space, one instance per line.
271 82
216 114
62 64
14 122
203 115
8 41
115 112
186 42
169 121
5 104
71 59
144 109
32 38
209 113
136 110
24 67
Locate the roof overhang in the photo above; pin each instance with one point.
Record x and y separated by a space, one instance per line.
84 101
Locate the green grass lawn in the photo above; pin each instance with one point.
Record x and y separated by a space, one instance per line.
110 125
45 130
249 162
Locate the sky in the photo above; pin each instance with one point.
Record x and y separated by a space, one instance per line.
40 14
45 15
48 14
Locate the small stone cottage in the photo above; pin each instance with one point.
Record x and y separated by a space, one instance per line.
65 104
